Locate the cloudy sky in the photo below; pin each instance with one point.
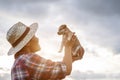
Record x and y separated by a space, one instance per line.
96 23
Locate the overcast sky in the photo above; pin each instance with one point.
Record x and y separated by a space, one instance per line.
96 23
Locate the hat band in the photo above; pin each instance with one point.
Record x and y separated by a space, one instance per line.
21 37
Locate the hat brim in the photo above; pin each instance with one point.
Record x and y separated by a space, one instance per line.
33 28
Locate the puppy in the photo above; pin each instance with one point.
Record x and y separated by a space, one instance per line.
69 37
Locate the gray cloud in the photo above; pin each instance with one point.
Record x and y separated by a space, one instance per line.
96 7
99 19
99 7
91 75
27 8
5 76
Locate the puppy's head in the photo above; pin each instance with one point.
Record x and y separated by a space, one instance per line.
62 29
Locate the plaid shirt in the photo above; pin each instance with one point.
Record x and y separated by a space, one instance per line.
34 67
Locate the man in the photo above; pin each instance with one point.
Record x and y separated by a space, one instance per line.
30 66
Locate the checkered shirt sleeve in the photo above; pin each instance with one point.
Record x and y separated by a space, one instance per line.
34 67
45 69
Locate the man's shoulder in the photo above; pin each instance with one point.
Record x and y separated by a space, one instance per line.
33 57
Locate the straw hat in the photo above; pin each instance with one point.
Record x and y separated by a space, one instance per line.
19 35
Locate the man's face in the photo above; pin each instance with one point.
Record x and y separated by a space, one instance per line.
34 44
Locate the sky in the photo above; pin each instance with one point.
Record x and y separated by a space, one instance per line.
95 22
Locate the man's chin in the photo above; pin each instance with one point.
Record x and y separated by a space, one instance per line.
38 49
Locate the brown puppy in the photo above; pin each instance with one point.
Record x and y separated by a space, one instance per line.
69 37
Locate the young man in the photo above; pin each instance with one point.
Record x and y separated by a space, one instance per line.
30 66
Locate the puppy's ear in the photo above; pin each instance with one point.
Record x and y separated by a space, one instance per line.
64 26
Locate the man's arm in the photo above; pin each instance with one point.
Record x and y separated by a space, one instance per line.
68 59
